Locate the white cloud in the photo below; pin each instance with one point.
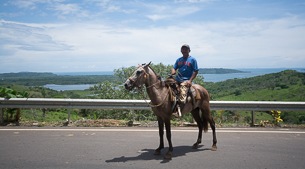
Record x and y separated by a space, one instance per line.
65 9
20 36
26 4
165 11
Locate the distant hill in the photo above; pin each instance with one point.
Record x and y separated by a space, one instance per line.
218 71
26 74
288 85
40 79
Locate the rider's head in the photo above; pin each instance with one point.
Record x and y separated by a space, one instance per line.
185 50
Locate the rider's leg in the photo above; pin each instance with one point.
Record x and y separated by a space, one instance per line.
181 97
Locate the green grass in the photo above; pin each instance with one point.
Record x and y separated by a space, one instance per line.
293 93
50 115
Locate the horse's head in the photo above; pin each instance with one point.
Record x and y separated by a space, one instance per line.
137 79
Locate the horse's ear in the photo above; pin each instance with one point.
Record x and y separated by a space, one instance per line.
148 64
145 65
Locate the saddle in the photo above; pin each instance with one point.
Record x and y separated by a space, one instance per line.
177 95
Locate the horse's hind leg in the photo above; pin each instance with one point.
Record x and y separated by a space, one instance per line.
212 124
207 118
198 120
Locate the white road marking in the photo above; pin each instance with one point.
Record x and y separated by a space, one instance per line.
221 130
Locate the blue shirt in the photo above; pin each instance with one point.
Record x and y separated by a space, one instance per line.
185 67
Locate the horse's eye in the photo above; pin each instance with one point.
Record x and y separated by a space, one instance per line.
139 72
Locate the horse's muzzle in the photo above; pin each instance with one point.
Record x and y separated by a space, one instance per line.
128 85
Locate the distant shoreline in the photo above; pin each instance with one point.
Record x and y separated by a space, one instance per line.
219 71
201 71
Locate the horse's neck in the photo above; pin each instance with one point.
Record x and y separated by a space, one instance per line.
154 87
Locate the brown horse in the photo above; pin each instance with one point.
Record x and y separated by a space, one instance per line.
162 104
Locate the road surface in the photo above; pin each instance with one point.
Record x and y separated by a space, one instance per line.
132 148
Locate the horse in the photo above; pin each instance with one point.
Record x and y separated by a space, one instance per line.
162 105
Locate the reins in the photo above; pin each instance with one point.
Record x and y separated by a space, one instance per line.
155 105
153 85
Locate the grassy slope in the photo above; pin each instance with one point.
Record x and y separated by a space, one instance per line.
293 93
283 86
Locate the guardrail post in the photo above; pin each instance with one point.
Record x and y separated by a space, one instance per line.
1 116
252 118
69 114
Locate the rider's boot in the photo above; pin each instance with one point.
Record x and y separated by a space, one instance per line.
179 111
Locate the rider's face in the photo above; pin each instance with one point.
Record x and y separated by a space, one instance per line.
185 51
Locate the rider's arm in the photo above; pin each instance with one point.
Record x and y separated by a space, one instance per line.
173 71
193 76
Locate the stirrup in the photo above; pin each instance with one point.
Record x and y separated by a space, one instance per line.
177 113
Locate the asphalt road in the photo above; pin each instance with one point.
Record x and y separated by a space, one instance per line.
132 148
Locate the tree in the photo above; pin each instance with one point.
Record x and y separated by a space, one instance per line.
8 93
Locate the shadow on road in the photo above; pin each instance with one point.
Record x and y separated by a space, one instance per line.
148 154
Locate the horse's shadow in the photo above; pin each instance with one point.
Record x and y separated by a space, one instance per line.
148 154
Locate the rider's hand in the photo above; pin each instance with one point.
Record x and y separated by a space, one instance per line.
188 83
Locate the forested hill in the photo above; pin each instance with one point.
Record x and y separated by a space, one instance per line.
40 79
218 71
284 86
26 74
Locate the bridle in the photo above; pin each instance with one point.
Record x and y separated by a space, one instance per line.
134 81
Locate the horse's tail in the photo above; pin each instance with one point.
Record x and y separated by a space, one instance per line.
204 105
205 110
204 118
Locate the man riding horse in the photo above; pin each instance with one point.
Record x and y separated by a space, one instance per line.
162 102
186 69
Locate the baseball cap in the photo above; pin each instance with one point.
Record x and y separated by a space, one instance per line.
186 45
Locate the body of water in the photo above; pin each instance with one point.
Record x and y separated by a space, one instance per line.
68 87
207 77
248 73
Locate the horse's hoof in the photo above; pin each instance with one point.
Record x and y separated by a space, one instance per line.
168 155
195 146
214 148
157 152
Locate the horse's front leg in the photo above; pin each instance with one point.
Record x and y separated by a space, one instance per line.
169 153
161 133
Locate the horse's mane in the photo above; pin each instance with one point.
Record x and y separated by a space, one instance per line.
158 76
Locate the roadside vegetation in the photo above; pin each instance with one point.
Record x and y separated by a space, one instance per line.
287 85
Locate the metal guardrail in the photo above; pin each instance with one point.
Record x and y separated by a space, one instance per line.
141 104
257 105
73 103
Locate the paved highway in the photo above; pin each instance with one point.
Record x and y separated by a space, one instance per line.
132 148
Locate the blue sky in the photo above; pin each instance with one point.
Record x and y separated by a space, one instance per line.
103 35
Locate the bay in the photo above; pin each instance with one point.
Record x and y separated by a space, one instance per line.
247 73
68 87
207 77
